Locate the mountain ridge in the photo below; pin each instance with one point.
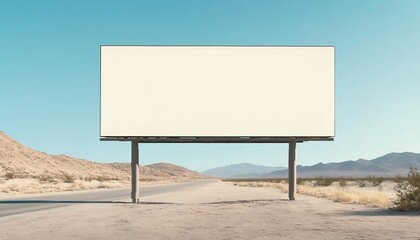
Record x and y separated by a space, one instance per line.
390 164
241 170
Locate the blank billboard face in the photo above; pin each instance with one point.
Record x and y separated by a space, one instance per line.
217 91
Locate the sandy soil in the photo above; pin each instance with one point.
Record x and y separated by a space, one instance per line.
218 210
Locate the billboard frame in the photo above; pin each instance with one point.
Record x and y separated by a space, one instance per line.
211 139
292 141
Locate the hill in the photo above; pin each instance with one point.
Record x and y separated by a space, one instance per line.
391 164
242 170
174 170
18 161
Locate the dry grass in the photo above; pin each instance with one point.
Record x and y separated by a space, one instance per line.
50 184
14 186
351 193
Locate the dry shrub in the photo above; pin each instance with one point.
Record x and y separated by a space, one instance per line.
324 181
9 175
147 180
342 182
408 192
68 178
300 181
45 178
88 179
361 183
101 178
102 185
376 181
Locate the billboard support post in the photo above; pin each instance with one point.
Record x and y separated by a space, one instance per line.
135 172
292 170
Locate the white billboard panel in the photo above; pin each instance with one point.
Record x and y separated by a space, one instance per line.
217 91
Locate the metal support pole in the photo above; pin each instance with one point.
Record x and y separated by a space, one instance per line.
292 170
135 172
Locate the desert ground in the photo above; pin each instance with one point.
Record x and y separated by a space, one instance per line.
213 210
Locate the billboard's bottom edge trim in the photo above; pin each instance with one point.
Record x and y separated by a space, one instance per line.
185 139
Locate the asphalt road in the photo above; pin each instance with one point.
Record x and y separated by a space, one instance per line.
29 204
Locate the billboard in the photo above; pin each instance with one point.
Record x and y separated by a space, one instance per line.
217 92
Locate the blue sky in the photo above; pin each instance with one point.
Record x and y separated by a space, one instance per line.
49 71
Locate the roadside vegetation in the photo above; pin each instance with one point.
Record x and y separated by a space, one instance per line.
408 192
398 192
325 181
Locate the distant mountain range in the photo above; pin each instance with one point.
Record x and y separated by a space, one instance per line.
242 170
391 164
